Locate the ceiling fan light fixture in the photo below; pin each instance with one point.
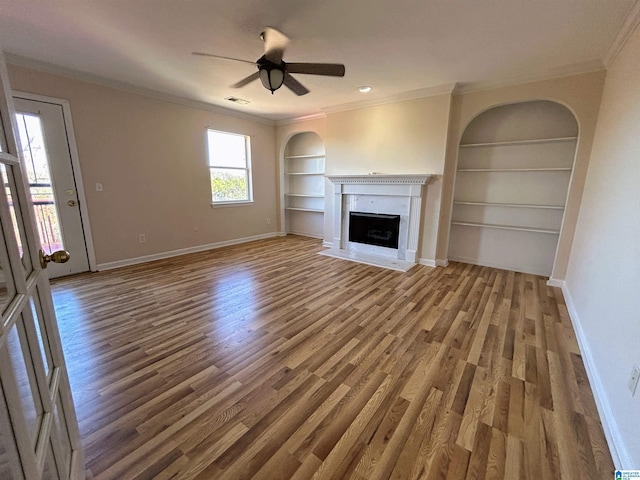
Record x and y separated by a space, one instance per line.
271 77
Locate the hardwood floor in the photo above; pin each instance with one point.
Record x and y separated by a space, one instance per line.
267 361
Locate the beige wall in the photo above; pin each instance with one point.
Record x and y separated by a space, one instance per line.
580 93
603 279
403 137
150 155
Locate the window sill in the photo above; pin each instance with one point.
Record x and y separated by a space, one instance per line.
239 203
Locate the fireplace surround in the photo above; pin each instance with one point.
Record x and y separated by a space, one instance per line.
394 195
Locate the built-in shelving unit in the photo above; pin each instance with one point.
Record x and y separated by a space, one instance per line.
514 168
519 142
559 169
304 185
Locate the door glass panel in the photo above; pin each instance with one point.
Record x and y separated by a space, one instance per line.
43 345
40 184
62 432
25 379
8 179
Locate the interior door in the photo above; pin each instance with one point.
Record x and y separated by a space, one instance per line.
39 436
46 153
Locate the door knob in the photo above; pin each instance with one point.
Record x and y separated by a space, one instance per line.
61 256
72 203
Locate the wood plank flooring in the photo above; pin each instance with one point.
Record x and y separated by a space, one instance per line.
268 361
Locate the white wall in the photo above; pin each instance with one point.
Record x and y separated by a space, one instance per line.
603 278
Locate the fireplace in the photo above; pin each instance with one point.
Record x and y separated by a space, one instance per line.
391 204
378 229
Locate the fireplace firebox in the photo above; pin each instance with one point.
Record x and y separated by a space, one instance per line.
378 229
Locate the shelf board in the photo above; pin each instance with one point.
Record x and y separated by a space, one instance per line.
304 173
519 142
507 227
319 155
513 205
553 169
307 195
298 209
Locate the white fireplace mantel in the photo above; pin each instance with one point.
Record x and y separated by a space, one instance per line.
379 179
379 193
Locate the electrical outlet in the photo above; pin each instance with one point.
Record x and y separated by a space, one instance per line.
195 230
99 187
633 379
268 221
142 237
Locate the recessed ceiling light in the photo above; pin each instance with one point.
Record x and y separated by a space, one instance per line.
365 89
239 101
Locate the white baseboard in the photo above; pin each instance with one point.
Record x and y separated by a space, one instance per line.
305 234
427 262
619 453
183 251
501 266
327 244
438 262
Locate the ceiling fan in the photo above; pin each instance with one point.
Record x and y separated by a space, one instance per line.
273 72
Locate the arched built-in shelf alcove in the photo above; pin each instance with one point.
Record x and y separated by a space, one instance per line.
514 168
304 185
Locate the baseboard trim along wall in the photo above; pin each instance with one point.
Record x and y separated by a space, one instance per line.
183 251
305 234
427 262
619 453
438 262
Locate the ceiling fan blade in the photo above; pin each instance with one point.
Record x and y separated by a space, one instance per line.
274 44
294 85
329 69
201 54
246 80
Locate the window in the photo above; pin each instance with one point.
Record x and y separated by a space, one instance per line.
230 167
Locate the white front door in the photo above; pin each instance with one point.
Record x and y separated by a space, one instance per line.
52 181
39 437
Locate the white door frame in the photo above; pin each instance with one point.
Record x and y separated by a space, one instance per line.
75 163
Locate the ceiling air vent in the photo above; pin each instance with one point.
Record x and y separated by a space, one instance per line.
237 100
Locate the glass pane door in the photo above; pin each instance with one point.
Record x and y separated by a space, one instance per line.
38 426
36 160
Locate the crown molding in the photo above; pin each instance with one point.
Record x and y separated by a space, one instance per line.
46 67
409 95
303 118
566 71
626 30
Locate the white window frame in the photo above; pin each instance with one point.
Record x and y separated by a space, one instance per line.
247 169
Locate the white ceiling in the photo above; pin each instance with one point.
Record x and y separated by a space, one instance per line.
394 46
